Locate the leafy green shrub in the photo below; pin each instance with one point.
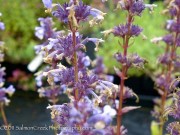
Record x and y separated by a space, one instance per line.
20 18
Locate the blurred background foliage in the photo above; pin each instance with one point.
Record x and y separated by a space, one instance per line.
20 18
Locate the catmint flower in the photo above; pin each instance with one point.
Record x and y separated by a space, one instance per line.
68 116
62 12
131 60
177 2
123 30
150 7
83 60
175 27
9 90
3 91
174 128
47 3
45 30
82 11
98 16
99 67
52 92
161 82
169 24
2 74
165 59
100 121
2 26
168 39
137 7
108 110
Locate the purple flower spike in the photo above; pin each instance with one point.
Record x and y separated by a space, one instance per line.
47 3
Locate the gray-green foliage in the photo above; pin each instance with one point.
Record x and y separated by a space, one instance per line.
153 26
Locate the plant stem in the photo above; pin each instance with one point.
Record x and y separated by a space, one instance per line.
5 119
76 93
55 123
123 76
119 116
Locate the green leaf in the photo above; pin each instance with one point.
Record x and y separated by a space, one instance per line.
155 128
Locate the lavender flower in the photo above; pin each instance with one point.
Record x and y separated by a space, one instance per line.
2 26
123 30
131 60
174 128
68 115
168 39
62 12
82 11
137 8
47 3
45 31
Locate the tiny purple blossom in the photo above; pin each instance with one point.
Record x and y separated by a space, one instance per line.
82 11
137 8
2 74
47 3
175 27
2 26
168 39
177 2
174 128
45 30
62 12
123 30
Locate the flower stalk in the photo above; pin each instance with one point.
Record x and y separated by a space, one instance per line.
76 95
5 119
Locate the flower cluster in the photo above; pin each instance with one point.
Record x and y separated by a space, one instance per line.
74 78
174 110
4 91
169 61
90 120
125 32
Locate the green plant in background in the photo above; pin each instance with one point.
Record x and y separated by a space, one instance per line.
147 50
21 19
